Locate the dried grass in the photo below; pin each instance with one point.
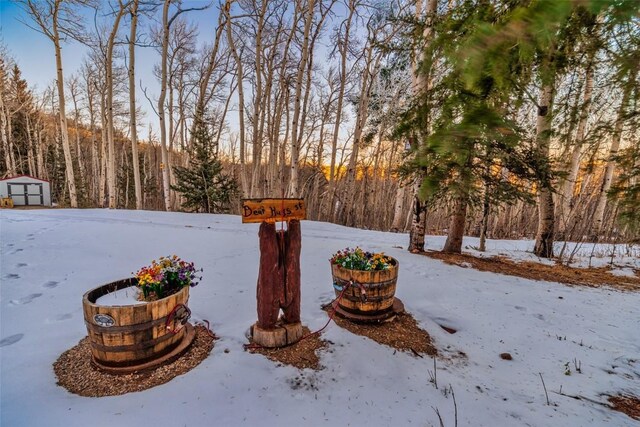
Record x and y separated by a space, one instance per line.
79 375
589 277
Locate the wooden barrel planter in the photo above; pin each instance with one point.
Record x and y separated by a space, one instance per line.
128 338
367 294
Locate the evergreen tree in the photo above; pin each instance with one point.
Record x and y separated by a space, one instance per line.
203 185
465 142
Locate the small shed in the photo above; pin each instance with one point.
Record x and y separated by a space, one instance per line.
26 190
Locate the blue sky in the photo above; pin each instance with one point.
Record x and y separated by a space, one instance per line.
34 52
35 55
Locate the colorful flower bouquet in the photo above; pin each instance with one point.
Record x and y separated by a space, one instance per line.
165 277
357 259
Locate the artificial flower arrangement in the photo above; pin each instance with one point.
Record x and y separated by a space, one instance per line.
357 259
165 277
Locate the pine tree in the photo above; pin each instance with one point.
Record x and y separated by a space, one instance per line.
203 185
466 145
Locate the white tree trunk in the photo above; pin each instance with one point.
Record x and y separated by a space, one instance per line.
111 163
397 225
546 220
294 190
164 166
243 173
30 157
68 159
421 83
343 48
257 104
104 142
574 164
39 152
73 88
5 140
132 105
598 216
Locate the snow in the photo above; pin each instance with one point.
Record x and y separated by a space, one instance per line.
125 296
582 255
50 258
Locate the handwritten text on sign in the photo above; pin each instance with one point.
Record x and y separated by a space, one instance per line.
273 210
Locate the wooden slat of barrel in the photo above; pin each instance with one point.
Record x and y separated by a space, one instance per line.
139 332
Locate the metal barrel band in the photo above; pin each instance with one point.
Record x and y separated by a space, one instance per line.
373 299
338 281
132 347
126 328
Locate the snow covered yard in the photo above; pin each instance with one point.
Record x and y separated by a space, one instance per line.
51 257
621 258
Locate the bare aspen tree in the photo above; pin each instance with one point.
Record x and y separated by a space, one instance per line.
271 102
332 84
52 18
133 11
598 215
397 223
39 129
324 10
372 58
165 165
257 104
10 110
9 164
30 144
294 190
240 78
104 142
205 77
343 41
74 90
419 213
282 96
89 85
111 163
574 164
546 219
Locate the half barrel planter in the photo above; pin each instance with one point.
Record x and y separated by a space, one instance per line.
129 338
377 301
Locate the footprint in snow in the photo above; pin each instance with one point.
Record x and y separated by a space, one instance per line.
25 300
50 284
11 340
16 251
12 276
21 264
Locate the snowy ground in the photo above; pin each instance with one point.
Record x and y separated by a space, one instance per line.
621 258
50 258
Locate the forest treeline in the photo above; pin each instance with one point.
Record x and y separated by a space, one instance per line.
494 118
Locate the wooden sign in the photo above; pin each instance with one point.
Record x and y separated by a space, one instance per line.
273 210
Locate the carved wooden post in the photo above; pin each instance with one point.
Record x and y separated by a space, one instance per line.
279 272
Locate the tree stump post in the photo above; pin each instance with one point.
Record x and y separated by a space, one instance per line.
279 272
278 286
